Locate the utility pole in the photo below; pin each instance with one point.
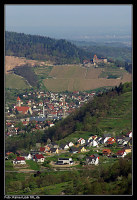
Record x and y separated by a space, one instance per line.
64 114
43 110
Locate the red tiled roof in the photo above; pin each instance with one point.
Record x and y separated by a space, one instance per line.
111 140
106 151
22 109
42 149
129 132
20 158
25 122
120 152
39 156
8 153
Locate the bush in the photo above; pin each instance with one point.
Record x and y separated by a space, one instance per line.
26 190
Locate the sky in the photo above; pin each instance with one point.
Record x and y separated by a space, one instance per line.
68 20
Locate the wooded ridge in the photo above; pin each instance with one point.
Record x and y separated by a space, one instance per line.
43 48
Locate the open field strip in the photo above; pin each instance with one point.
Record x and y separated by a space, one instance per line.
75 77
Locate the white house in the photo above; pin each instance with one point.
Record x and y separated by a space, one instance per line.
70 144
90 138
38 158
94 143
129 134
27 156
125 140
64 146
64 161
19 160
106 138
121 153
81 141
94 159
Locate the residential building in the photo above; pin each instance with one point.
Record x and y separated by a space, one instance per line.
19 160
38 158
65 161
93 159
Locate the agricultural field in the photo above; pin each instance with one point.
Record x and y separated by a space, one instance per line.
76 77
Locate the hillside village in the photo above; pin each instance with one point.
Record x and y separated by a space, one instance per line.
44 114
42 109
105 146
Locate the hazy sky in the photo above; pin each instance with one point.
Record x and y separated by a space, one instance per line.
63 19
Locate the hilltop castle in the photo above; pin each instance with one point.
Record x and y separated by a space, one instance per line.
94 61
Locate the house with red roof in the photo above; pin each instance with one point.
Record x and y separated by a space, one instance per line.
81 141
106 152
121 153
42 149
129 134
93 159
111 140
38 158
19 160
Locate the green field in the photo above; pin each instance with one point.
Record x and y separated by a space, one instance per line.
15 82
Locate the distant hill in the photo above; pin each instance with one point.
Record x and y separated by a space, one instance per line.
37 47
110 111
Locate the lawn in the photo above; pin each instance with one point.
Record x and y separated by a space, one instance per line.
33 165
9 165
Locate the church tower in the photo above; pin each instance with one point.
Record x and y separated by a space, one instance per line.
18 102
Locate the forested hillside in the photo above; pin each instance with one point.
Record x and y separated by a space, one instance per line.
43 48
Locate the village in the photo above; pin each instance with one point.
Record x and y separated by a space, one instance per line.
43 115
55 154
95 147
42 109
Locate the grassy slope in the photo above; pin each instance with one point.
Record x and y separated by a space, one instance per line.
15 81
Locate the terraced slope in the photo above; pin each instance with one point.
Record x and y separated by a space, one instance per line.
76 77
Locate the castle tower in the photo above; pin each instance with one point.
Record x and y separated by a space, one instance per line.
18 102
95 59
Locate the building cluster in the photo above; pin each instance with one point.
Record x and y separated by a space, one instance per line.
95 61
43 109
80 146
